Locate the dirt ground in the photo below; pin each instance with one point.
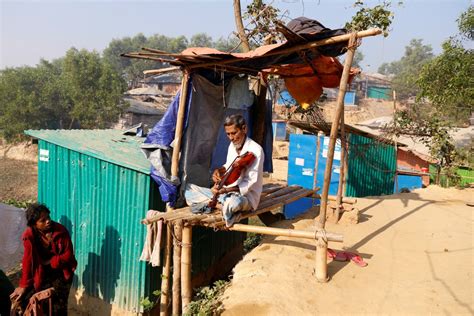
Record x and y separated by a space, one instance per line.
418 246
19 179
419 250
18 171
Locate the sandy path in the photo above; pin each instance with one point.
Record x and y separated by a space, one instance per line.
419 247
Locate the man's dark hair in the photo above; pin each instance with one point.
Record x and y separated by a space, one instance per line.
33 213
235 119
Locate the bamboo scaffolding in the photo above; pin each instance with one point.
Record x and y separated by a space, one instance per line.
165 280
178 135
178 233
186 258
322 245
340 186
286 232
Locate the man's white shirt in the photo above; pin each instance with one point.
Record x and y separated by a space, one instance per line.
251 180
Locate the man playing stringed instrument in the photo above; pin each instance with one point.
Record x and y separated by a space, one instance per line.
244 163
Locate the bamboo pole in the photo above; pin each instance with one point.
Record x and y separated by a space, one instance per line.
174 173
178 230
394 94
273 231
316 163
341 170
322 247
346 168
160 71
178 135
186 286
165 279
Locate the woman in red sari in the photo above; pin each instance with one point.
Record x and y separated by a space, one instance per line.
48 259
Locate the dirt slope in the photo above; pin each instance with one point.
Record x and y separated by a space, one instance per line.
419 249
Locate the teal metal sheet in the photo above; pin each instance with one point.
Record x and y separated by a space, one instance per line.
108 145
101 204
372 167
379 93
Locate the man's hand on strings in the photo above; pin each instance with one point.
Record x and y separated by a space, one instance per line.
217 174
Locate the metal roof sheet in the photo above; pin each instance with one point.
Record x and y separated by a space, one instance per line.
108 145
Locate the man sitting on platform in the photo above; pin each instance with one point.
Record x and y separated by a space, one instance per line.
244 193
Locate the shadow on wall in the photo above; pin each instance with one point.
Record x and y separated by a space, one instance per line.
103 271
66 222
99 279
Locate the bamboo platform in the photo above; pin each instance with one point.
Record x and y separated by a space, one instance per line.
273 196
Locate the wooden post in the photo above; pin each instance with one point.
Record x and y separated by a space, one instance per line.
186 287
178 135
178 231
321 249
346 169
316 163
394 95
273 231
340 187
165 279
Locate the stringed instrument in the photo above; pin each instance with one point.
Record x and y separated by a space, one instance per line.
233 173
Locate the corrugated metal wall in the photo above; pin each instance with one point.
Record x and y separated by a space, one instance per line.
381 93
371 167
101 204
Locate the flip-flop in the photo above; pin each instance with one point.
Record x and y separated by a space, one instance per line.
331 253
337 255
341 256
356 259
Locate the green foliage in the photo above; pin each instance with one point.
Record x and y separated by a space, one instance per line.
379 16
448 83
424 122
148 303
78 88
201 40
17 203
466 23
95 90
207 300
252 241
407 70
263 18
132 69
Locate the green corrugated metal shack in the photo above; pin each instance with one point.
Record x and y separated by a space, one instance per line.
97 183
371 167
371 162
381 93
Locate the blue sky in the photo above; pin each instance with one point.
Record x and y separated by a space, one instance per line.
31 30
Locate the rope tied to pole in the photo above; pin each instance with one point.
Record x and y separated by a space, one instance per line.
176 241
324 234
354 41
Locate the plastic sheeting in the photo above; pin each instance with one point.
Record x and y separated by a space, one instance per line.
12 225
207 106
158 149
